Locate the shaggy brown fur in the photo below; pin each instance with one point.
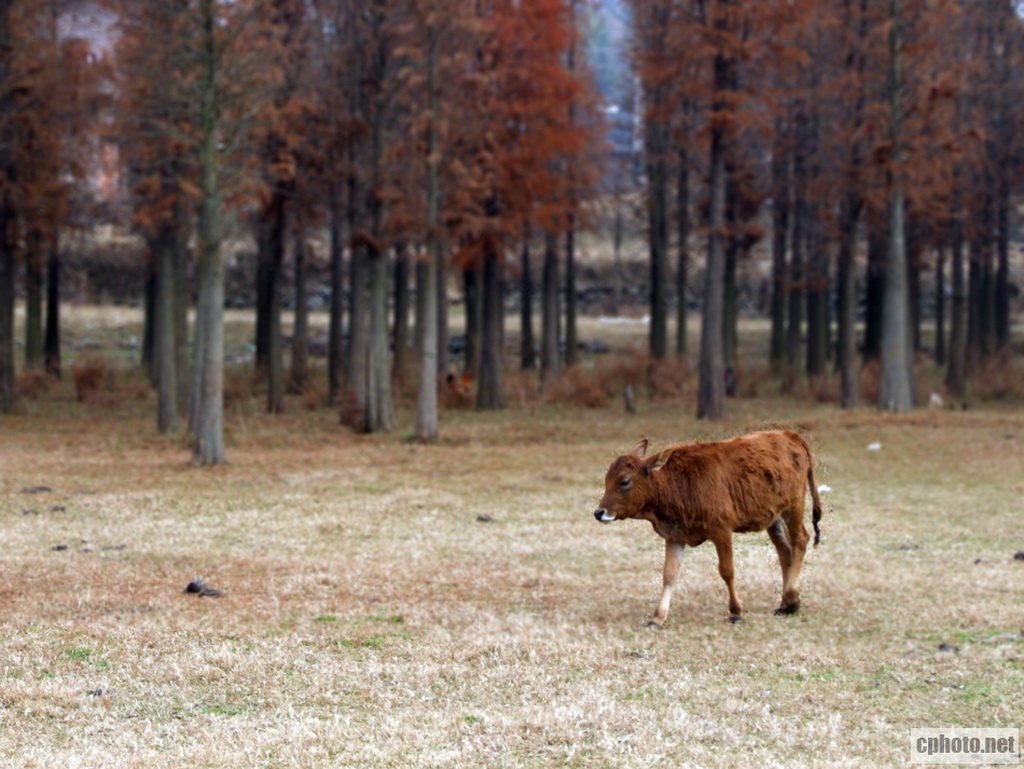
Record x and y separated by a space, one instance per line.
694 492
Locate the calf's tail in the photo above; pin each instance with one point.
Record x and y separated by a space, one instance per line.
814 497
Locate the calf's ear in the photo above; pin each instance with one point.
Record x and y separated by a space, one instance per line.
639 448
657 461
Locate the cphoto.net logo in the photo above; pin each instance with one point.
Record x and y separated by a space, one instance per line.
956 745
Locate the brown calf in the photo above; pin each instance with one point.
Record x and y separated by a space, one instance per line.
693 492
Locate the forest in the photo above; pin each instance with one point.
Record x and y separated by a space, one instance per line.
407 161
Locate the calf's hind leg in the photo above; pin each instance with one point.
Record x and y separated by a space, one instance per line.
790 539
723 544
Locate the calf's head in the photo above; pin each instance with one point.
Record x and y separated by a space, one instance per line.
629 484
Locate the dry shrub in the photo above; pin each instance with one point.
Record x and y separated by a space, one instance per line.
34 383
578 387
522 386
91 374
313 394
824 389
239 384
670 380
998 378
870 381
351 414
620 371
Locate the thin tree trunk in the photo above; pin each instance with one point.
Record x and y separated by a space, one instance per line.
730 311
550 360
400 329
781 180
34 301
273 264
148 360
683 233
300 331
847 279
895 390
164 333
711 389
6 220
472 282
1002 277
427 320
51 342
875 290
956 373
817 303
940 306
795 295
335 342
379 410
6 308
489 394
528 353
657 212
208 392
571 333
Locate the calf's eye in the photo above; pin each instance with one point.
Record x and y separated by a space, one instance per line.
625 483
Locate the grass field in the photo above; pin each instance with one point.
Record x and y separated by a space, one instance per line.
370 618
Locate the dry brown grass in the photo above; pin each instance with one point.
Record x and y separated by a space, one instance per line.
370 620
389 604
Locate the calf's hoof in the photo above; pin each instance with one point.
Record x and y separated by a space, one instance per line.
735 618
789 608
654 625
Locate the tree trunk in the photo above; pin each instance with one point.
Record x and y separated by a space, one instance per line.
427 319
781 192
914 259
1002 277
269 354
550 360
795 294
51 342
6 307
472 283
380 410
208 382
683 233
400 329
940 306
956 373
148 359
6 220
875 291
300 331
657 222
528 353
34 301
711 390
817 303
443 332
730 311
489 394
335 341
164 247
896 389
571 334
847 345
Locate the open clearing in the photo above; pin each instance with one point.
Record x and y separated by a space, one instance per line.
371 620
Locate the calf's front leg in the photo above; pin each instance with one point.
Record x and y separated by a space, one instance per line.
673 560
